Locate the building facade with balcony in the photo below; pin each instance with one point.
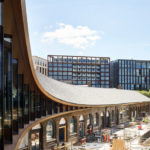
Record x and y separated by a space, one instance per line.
80 70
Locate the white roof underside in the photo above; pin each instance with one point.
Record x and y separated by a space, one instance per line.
89 95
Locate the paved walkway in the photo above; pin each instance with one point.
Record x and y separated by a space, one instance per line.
132 132
92 146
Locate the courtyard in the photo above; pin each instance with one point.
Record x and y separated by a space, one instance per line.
134 138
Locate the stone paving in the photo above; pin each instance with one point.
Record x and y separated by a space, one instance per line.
132 144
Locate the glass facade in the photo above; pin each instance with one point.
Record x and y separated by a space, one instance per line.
80 70
26 103
1 75
32 106
19 103
15 96
43 103
131 74
37 106
8 90
20 100
1 97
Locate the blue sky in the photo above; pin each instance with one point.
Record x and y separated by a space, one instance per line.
111 28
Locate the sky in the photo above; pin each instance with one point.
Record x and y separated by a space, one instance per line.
106 28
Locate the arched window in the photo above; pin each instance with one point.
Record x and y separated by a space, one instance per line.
38 126
102 114
49 130
89 119
81 118
72 125
95 119
62 122
107 114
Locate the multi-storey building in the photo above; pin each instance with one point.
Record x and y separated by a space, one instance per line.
80 70
40 64
130 74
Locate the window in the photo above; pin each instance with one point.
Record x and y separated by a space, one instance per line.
60 77
62 122
64 77
64 73
50 68
69 73
89 120
69 77
95 119
72 125
49 130
81 126
59 73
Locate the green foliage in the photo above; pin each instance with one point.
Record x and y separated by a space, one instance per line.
146 93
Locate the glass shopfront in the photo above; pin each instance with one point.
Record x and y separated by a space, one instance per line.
81 126
15 96
62 130
1 74
107 119
26 103
43 108
36 137
8 90
32 106
20 100
37 107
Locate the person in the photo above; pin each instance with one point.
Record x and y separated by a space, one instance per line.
105 137
102 138
108 138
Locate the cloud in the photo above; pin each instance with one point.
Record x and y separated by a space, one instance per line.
79 37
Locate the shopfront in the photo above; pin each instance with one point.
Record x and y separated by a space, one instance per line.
62 130
36 136
81 126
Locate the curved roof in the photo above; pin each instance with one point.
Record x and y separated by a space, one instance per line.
89 95
60 92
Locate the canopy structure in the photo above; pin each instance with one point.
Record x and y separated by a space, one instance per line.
88 95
